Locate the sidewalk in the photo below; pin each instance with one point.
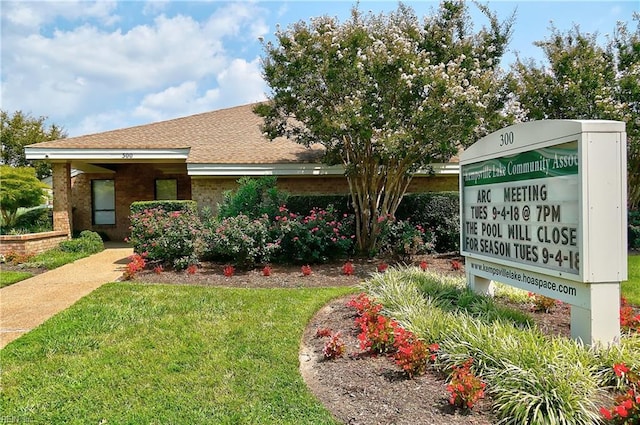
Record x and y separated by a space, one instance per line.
29 303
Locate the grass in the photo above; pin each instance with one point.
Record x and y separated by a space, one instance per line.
132 353
533 378
8 277
631 288
55 258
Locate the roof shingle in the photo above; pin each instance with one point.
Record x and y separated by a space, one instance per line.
226 136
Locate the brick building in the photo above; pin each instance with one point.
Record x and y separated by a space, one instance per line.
196 157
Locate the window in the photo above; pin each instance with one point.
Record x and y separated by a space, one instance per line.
166 189
103 199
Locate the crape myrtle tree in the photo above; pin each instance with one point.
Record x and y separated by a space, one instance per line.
583 80
386 95
19 130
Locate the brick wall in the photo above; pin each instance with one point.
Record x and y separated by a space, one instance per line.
61 184
32 243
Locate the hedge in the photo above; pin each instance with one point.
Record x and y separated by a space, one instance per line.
140 206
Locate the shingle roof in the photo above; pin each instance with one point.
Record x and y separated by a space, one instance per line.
226 136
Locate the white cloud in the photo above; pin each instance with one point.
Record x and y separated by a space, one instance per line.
96 77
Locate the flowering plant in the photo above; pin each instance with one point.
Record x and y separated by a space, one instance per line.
323 332
455 265
266 271
465 388
169 237
318 237
412 354
626 410
403 239
192 269
306 270
334 347
158 269
228 271
348 268
136 263
424 265
241 239
629 321
382 267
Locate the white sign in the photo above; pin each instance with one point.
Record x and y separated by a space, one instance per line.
543 208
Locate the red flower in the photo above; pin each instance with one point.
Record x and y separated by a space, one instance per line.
606 413
348 268
423 265
158 269
306 270
192 269
620 369
382 267
455 265
266 271
228 271
622 411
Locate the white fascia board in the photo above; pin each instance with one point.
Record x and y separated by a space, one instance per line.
70 154
221 170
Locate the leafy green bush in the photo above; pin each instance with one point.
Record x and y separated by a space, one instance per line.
168 206
318 237
35 220
439 212
254 198
89 242
167 237
242 240
302 204
403 239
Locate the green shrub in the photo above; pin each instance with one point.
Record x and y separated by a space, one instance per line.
240 240
88 242
403 239
168 206
254 198
302 204
318 237
168 237
439 212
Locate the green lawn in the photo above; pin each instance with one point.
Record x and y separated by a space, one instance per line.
7 277
167 354
631 288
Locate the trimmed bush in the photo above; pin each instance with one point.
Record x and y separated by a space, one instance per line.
35 220
318 237
403 239
88 242
254 198
439 212
168 206
302 204
167 237
241 240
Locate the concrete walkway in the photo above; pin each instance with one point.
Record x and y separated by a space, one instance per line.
29 303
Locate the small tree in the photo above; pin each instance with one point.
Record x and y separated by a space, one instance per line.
19 189
583 80
20 130
386 96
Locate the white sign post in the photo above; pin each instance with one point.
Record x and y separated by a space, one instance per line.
543 208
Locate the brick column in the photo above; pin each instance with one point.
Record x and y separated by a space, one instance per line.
62 219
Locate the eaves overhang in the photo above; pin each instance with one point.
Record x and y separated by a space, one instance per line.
108 155
293 169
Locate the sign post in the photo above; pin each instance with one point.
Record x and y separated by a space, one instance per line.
543 208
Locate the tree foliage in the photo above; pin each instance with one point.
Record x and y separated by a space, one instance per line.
20 130
386 95
583 80
19 188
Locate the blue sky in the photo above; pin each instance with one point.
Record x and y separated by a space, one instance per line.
95 66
